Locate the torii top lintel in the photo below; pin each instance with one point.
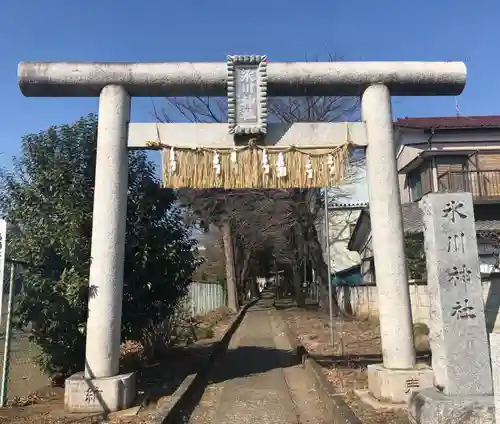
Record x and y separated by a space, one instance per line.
86 79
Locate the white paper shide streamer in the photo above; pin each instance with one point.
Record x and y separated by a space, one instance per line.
309 168
331 164
173 161
216 163
234 157
265 162
280 166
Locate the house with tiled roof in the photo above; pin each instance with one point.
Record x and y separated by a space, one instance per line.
444 154
449 154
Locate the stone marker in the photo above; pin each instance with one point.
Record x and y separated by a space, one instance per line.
495 365
458 338
459 341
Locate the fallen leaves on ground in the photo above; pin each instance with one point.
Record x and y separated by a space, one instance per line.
40 409
342 361
19 401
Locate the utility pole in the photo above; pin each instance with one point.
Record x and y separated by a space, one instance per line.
8 337
328 263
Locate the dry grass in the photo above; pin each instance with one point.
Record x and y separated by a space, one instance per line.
356 344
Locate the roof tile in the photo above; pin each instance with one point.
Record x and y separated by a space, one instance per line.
450 122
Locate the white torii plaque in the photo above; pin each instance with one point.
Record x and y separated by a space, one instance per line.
247 94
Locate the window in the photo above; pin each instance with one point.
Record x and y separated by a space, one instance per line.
415 181
420 181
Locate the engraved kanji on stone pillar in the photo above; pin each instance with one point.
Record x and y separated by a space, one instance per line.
459 344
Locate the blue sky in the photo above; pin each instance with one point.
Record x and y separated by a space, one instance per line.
154 30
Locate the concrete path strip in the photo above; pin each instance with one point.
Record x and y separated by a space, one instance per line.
170 411
259 379
337 408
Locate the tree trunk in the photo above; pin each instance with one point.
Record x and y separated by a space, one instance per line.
242 260
297 287
232 300
244 269
255 287
276 282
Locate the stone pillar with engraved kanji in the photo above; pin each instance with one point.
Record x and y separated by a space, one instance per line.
458 338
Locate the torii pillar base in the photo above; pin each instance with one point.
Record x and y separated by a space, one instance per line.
396 386
107 394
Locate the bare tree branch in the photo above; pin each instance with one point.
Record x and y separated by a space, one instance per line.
267 224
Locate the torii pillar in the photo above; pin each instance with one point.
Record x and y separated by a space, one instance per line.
100 387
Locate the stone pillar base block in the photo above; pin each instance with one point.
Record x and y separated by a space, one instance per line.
395 386
429 406
107 394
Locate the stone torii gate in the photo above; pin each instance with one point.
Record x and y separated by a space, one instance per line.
100 386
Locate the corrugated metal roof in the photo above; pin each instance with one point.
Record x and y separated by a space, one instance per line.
449 122
349 205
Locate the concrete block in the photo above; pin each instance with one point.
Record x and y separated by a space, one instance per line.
429 406
108 394
396 386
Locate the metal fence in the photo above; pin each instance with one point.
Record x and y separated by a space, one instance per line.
204 297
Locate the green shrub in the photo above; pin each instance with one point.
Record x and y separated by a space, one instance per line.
49 197
204 332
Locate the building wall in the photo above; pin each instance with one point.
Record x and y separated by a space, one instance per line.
465 138
404 190
409 153
414 142
405 156
367 264
488 260
341 224
362 301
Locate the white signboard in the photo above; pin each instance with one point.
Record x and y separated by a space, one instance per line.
247 94
247 97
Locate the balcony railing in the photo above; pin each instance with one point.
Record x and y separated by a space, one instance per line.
482 184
